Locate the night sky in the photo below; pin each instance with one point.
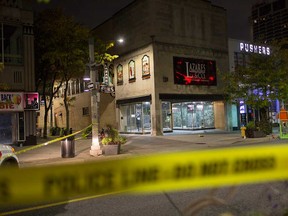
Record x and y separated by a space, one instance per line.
94 12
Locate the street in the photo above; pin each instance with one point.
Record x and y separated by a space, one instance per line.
255 199
260 199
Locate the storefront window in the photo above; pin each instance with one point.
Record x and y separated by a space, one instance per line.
208 118
193 115
135 118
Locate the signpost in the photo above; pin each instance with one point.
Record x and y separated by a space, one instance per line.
90 86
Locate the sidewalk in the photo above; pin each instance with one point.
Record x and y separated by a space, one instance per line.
141 145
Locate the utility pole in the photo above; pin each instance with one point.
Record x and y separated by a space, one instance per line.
95 100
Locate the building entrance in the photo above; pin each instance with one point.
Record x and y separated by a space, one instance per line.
135 117
193 115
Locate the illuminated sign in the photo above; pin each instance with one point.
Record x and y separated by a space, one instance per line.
251 48
190 71
11 101
31 101
242 107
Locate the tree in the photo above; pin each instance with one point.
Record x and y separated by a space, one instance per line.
61 50
262 80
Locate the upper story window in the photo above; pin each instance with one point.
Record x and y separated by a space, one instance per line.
11 44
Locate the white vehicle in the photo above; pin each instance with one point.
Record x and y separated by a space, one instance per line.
8 157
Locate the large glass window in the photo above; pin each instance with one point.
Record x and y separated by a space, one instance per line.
135 117
193 115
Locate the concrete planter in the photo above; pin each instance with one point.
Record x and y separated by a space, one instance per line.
113 149
254 134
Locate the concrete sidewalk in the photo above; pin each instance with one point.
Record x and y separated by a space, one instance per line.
141 145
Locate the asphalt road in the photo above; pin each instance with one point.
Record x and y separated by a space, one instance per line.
249 200
269 199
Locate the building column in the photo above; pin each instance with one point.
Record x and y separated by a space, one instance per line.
29 83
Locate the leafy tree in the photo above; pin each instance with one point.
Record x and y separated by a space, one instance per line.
61 50
262 80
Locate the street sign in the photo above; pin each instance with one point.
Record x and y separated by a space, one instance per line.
90 86
107 89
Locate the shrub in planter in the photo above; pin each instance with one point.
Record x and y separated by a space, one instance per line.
250 128
54 131
112 141
265 126
253 131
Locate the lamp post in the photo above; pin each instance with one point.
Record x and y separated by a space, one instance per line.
95 99
95 96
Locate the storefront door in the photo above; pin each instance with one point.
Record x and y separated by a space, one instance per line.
166 117
193 115
135 118
6 128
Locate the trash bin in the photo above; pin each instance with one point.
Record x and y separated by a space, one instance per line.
68 148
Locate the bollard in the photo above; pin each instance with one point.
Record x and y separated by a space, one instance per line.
243 132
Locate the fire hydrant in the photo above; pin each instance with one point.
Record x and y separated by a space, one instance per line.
243 132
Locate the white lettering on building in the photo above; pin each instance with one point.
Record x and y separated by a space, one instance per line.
251 48
196 70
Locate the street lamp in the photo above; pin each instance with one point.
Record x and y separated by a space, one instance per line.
95 99
95 95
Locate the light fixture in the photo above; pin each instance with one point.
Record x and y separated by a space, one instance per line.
120 40
86 76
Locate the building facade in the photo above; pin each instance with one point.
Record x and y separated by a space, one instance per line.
79 109
269 20
18 101
239 52
168 74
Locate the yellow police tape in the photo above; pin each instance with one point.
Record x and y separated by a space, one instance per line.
152 173
50 142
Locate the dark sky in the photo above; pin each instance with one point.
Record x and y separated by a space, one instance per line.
94 12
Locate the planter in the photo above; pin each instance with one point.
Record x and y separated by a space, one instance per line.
258 134
254 134
111 149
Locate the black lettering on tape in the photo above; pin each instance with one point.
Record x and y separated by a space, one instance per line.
214 168
4 190
254 164
183 171
68 184
143 175
100 180
63 185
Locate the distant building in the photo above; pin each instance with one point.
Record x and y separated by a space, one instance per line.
239 52
18 101
269 20
166 77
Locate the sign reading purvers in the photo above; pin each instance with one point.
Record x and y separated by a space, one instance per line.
252 48
190 71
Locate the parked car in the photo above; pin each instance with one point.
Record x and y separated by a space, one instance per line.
8 157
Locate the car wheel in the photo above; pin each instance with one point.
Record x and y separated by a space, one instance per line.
9 163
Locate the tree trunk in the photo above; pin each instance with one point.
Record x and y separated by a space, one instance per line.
66 107
45 122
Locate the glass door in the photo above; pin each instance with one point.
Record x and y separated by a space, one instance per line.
177 115
135 117
166 116
146 116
